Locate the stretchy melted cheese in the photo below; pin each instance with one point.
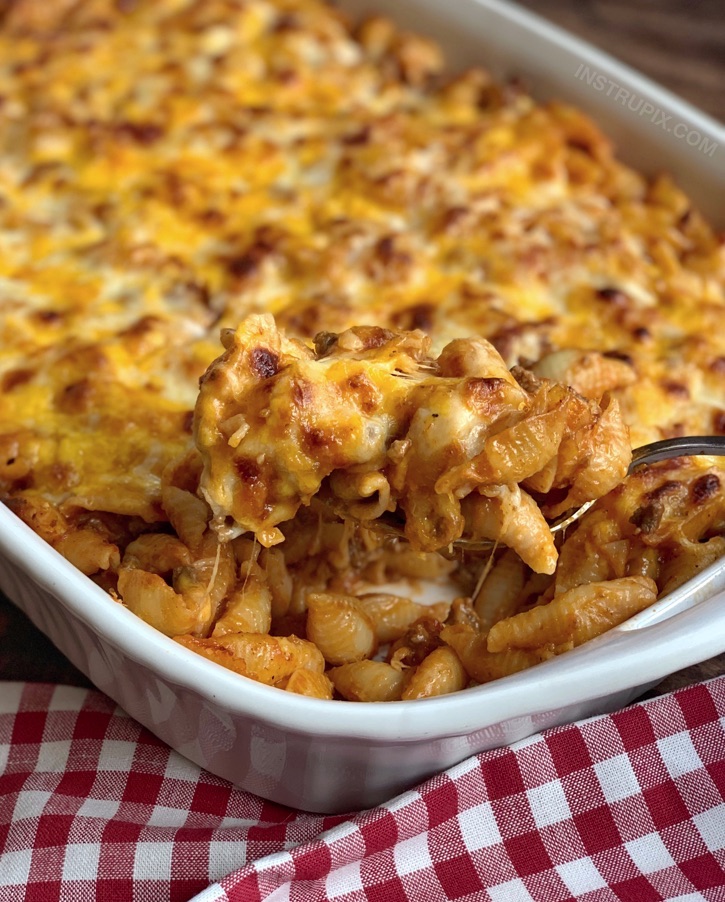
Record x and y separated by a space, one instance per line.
373 423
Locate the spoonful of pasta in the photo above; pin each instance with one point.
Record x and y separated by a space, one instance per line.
438 449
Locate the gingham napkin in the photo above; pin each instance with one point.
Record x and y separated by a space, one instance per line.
623 807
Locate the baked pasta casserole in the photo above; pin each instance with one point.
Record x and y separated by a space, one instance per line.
272 280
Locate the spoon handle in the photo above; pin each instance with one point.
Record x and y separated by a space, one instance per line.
687 446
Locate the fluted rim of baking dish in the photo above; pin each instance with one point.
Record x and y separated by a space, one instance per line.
628 656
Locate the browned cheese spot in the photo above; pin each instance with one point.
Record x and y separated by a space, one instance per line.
15 378
365 391
705 487
248 470
264 362
76 397
419 316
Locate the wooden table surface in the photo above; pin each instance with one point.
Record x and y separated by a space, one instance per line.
679 43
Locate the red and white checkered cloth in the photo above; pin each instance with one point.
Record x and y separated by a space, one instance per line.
622 808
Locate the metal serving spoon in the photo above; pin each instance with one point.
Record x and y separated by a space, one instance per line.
666 449
687 446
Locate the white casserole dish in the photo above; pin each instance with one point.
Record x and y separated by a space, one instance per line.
336 756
